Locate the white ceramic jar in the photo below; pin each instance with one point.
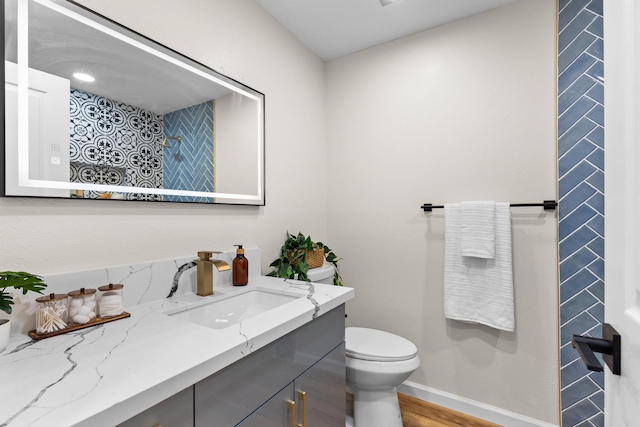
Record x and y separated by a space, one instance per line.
5 333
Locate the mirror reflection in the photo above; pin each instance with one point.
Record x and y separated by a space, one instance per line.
93 110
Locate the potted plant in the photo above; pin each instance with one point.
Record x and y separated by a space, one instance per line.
296 254
19 280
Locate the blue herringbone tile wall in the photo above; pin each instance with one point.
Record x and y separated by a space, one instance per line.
188 165
581 207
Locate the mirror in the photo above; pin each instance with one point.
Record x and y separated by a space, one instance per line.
94 110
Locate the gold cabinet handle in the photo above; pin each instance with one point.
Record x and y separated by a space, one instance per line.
291 405
302 396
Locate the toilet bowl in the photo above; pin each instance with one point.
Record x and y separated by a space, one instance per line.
377 362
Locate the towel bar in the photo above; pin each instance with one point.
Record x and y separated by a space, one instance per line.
548 205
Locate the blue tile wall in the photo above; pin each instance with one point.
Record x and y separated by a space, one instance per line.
188 165
581 203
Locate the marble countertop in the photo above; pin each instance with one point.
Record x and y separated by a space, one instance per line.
103 375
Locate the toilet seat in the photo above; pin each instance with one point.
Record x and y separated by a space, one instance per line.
378 346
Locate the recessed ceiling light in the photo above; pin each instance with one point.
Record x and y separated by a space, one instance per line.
84 77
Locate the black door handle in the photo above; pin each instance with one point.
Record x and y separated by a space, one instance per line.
608 345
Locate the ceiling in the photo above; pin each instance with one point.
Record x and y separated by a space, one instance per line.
335 28
61 44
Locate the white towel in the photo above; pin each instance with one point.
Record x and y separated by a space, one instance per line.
477 229
476 289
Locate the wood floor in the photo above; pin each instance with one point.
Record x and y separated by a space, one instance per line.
418 413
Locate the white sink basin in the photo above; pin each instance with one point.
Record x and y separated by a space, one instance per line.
229 311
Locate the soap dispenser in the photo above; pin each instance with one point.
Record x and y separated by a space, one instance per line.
240 268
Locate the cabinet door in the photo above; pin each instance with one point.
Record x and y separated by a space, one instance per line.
176 411
323 385
279 411
229 396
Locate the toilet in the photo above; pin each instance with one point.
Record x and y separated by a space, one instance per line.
377 362
322 274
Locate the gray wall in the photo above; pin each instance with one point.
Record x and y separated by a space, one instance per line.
52 236
462 112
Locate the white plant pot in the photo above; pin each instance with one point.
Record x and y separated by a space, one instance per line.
5 329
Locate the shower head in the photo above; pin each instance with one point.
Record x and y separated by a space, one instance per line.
166 138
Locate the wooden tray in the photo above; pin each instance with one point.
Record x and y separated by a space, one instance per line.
97 321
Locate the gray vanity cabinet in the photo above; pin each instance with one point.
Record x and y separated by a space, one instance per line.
314 399
176 411
273 413
324 388
254 391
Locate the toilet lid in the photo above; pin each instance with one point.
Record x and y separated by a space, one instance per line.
376 345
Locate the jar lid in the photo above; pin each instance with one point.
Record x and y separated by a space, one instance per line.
52 297
81 292
110 287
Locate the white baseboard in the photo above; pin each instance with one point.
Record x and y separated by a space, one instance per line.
469 407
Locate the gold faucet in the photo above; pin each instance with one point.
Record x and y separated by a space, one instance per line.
204 271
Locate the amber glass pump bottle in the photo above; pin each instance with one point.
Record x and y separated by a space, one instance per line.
240 268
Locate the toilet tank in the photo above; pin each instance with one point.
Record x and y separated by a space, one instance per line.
322 274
